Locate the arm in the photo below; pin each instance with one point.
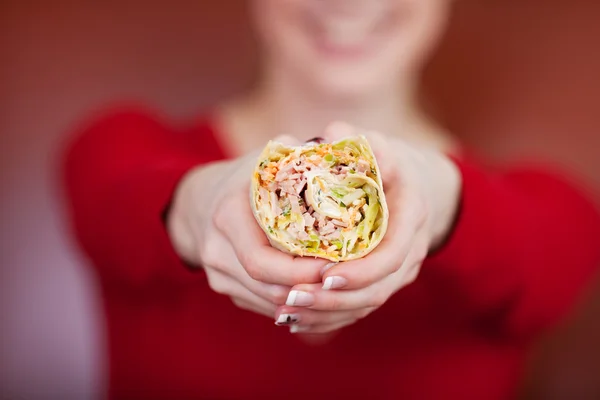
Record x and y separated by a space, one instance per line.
120 174
123 172
510 250
522 249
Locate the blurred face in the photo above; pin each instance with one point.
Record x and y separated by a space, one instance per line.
348 47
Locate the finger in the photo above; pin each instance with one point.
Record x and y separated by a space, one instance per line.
317 339
369 298
379 144
225 285
229 265
314 297
405 222
339 130
287 140
320 329
384 157
286 315
391 252
274 294
409 271
261 261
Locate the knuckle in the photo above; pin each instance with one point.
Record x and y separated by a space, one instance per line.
421 252
378 299
277 296
219 216
209 253
334 303
222 216
412 275
220 266
421 214
239 303
397 265
391 171
217 285
360 314
252 267
402 256
236 301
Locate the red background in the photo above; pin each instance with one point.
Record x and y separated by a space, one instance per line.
511 77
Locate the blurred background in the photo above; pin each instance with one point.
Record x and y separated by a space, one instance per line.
511 77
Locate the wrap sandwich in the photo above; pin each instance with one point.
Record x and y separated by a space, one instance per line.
320 199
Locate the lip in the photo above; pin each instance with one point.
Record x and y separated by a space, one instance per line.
331 50
328 46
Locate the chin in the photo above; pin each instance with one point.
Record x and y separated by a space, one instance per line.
360 77
350 86
344 92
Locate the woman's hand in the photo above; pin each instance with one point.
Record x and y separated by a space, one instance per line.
211 225
422 190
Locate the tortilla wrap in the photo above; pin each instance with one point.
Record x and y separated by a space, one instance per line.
320 199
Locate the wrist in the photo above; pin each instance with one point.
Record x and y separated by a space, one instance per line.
445 198
177 220
195 191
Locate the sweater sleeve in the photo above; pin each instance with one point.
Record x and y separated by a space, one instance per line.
523 248
120 174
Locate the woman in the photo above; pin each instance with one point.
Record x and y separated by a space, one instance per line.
475 265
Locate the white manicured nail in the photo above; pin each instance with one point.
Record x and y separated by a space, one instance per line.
334 282
298 328
286 319
299 298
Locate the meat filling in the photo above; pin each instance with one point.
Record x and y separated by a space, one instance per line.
321 199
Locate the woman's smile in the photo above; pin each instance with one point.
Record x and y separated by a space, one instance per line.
349 33
346 35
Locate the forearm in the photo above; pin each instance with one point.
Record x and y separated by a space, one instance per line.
524 243
446 184
188 196
120 174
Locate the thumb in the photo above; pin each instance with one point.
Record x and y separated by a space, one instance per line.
379 144
339 130
287 140
384 155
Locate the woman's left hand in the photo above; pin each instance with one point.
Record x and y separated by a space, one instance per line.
422 188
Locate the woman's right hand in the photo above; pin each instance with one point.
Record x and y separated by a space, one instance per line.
211 225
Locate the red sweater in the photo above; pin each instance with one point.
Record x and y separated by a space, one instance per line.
524 246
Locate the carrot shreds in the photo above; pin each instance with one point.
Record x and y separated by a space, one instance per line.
321 184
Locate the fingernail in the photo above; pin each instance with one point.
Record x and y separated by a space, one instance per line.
298 298
326 267
298 328
287 319
316 140
334 282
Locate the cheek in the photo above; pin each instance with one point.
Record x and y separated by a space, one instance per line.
426 29
274 20
378 71
404 50
278 26
398 53
395 56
